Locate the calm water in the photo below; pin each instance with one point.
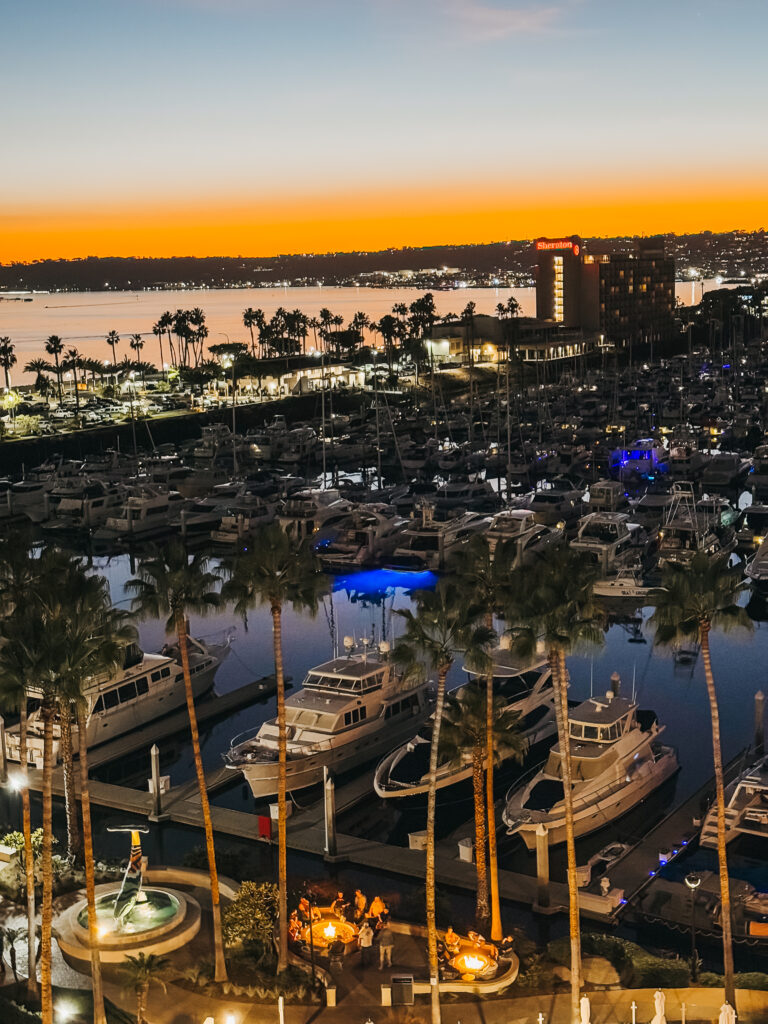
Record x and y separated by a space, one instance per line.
82 320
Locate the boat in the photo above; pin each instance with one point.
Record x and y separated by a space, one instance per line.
628 583
428 542
363 537
303 513
526 685
349 711
616 762
90 509
607 496
147 687
240 523
754 528
686 459
646 459
518 527
688 530
146 513
757 567
725 469
463 494
746 806
559 502
759 476
610 541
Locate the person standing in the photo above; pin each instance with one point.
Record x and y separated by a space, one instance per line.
365 939
386 943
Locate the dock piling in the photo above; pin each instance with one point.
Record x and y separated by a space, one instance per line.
329 798
542 866
157 797
759 723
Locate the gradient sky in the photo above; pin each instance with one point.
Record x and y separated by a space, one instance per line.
174 127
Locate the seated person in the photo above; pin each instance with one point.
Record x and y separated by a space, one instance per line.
336 949
443 956
452 941
294 926
377 907
339 906
506 945
304 908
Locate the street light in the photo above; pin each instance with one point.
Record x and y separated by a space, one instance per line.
693 881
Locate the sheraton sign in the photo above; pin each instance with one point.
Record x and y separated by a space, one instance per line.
558 243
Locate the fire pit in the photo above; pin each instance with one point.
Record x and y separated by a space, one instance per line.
471 964
327 930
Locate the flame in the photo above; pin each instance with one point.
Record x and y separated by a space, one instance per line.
474 963
329 931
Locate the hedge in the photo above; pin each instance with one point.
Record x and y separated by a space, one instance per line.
636 967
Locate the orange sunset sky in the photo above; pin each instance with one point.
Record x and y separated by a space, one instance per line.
194 127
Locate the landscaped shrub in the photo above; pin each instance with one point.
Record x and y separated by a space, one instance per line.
249 921
636 967
752 979
12 1013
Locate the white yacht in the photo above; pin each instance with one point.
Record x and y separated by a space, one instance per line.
518 527
607 496
147 687
527 688
349 711
754 527
362 537
686 459
688 530
628 583
428 542
465 494
725 469
616 762
746 806
645 458
239 523
144 514
304 512
559 502
611 541
90 509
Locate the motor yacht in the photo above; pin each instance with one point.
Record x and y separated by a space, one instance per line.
303 513
616 762
757 567
627 584
144 514
240 523
746 806
611 541
725 469
349 711
607 496
87 511
526 687
559 502
363 537
754 528
147 687
528 539
644 459
758 478
688 530
686 460
428 542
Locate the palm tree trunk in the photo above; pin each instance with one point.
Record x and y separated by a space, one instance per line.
220 967
47 865
434 976
29 858
99 1015
483 910
560 681
493 862
282 788
74 837
717 756
141 1002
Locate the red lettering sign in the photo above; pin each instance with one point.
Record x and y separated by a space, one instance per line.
560 243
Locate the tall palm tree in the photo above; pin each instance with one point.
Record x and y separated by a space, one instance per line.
158 329
112 340
693 600
465 735
485 574
172 584
7 359
443 625
250 320
54 346
20 666
140 971
552 605
276 573
73 364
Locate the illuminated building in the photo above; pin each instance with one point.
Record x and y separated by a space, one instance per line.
627 298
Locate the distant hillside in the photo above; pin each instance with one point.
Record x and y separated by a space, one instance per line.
723 253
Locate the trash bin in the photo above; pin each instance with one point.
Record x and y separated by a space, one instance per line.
466 850
402 989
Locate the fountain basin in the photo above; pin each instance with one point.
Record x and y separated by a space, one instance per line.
156 912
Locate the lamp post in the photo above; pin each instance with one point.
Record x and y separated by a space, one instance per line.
693 881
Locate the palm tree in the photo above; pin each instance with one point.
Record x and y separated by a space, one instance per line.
54 346
112 339
173 585
140 971
465 735
7 359
485 574
250 320
158 329
443 625
39 367
92 645
276 573
20 671
693 600
73 363
553 605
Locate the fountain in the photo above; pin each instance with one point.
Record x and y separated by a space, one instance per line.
131 918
